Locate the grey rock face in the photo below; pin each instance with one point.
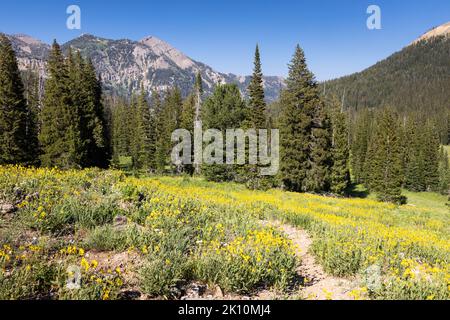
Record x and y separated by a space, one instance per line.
124 64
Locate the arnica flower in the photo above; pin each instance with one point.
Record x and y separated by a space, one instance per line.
85 264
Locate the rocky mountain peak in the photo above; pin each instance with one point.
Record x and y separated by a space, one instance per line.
161 47
28 39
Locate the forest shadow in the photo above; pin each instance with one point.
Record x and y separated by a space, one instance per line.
357 191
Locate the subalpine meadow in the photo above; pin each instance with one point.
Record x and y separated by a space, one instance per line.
92 205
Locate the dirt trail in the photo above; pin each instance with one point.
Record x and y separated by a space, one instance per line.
317 284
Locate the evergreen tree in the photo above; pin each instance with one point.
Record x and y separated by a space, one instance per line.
384 159
256 119
32 94
224 109
431 155
295 124
444 171
58 135
305 131
14 119
79 134
120 131
361 136
143 133
255 90
160 133
157 131
340 173
318 175
169 120
414 171
188 115
93 118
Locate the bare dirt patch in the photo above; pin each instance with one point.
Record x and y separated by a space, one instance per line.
317 285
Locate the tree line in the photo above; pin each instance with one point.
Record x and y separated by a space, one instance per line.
391 152
71 124
413 80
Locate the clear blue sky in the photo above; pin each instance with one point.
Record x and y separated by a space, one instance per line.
223 33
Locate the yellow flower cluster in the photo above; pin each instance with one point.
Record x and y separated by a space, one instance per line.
410 244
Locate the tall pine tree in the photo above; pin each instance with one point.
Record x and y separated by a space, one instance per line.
14 112
305 131
59 130
256 101
384 159
143 133
340 173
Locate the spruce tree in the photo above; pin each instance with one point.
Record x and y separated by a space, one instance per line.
58 135
168 120
340 173
157 131
414 170
188 115
444 171
143 133
255 90
120 131
384 159
256 119
77 109
360 144
93 118
224 109
318 175
431 155
305 131
295 124
32 94
160 133
14 118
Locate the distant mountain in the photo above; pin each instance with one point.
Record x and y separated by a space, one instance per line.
417 78
125 64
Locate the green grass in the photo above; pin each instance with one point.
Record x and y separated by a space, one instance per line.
430 200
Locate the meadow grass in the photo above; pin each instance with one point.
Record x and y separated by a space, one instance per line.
187 229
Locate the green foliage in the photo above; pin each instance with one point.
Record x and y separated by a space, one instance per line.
59 139
17 126
384 159
305 131
361 133
73 96
340 173
32 82
444 171
224 109
416 79
143 140
169 121
30 279
256 103
121 133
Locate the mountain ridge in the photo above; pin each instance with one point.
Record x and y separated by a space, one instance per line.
441 30
124 64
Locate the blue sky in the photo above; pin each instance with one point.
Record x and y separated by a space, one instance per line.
223 33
